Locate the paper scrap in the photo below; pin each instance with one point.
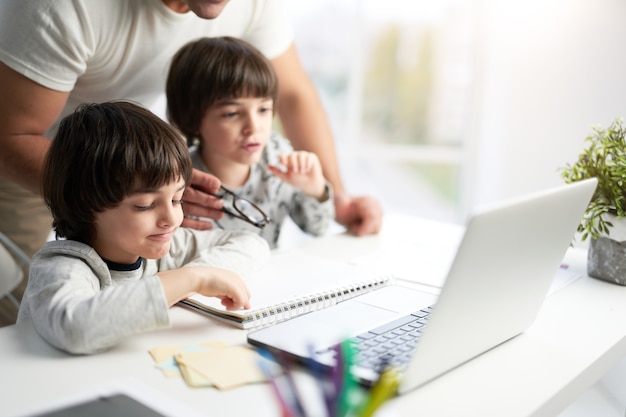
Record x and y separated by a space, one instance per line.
211 364
163 356
225 368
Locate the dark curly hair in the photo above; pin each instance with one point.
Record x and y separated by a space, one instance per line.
99 155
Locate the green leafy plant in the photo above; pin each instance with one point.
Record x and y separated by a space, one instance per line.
603 158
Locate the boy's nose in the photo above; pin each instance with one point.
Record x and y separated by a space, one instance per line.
169 215
252 123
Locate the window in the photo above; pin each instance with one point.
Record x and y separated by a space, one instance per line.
394 78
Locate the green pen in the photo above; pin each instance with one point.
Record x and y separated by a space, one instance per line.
350 394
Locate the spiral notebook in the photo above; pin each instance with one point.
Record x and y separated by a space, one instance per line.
292 283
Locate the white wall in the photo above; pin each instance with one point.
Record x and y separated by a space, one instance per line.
547 71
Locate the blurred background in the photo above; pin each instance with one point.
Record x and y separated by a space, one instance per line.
440 106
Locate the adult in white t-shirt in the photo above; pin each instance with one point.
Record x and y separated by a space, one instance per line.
56 54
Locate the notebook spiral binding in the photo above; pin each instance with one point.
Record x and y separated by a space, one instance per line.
297 307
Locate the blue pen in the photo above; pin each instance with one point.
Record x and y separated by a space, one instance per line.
285 410
322 378
285 363
291 399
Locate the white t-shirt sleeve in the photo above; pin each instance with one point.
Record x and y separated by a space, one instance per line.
272 30
121 49
36 41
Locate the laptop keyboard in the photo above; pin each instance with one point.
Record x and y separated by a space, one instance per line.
393 343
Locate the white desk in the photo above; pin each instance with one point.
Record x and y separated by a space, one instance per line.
578 336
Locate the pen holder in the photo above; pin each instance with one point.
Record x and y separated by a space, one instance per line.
339 391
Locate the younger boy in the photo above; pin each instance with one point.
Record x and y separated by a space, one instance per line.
113 180
220 94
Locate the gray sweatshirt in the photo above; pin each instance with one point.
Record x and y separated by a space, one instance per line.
79 305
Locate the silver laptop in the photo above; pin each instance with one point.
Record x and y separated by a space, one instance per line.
494 289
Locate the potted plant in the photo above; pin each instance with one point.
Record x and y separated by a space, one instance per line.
604 221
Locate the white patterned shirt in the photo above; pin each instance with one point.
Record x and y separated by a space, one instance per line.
276 198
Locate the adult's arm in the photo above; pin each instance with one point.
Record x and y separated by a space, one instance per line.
305 124
27 110
302 115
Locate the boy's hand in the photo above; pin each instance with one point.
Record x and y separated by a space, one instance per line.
225 285
302 170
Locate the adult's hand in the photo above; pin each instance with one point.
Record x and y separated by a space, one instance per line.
361 215
198 202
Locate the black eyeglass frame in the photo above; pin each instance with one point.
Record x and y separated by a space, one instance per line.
239 213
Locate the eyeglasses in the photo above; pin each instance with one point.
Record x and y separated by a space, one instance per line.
244 209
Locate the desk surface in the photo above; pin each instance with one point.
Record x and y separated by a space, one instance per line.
578 336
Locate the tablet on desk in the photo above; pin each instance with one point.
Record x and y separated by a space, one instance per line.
104 406
124 397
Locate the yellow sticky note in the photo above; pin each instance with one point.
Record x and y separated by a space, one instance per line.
162 353
226 368
163 356
192 377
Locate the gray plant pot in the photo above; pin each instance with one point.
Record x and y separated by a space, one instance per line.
606 260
